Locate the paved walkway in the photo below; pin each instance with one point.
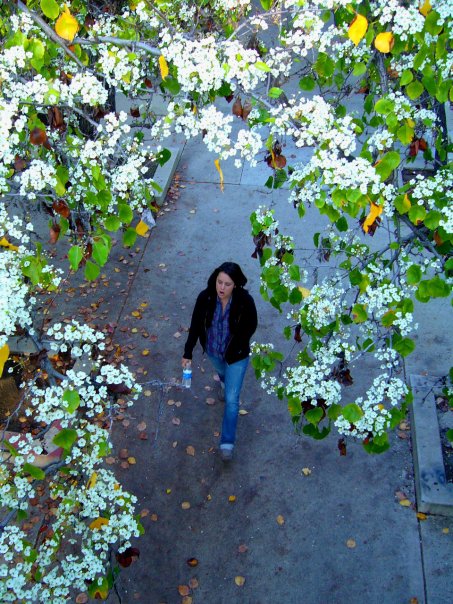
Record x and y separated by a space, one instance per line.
290 518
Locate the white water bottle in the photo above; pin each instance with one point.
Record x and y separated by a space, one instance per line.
187 377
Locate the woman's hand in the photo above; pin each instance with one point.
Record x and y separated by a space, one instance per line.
186 363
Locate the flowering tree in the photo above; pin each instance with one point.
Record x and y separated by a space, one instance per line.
66 153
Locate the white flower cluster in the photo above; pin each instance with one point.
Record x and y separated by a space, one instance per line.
325 302
38 176
78 338
402 20
435 193
121 67
383 394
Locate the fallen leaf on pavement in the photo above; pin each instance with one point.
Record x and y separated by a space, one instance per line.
145 352
81 598
232 498
143 436
131 460
280 520
183 590
187 600
210 401
421 516
243 412
154 517
177 334
351 543
147 393
144 513
446 530
174 444
141 426
242 548
405 503
239 581
176 421
185 505
193 583
192 562
306 471
190 450
124 465
170 402
124 454
110 460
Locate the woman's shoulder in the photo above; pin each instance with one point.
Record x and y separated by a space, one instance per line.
243 296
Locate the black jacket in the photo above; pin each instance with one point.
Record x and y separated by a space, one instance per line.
242 323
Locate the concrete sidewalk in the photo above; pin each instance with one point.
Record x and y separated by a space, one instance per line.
290 516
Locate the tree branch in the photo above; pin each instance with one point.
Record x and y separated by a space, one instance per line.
50 32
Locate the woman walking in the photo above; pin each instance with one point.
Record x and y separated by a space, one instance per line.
224 319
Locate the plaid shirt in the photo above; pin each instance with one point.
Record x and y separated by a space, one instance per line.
219 331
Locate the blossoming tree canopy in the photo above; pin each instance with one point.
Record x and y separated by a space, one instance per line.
289 70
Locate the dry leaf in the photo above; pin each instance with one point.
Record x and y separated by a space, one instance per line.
154 517
232 498
176 421
81 598
280 520
170 402
131 460
242 548
187 600
421 516
193 583
144 513
239 581
174 444
190 450
306 471
141 426
192 562
183 590
185 505
210 401
351 543
147 393
126 423
145 352
124 454
243 412
446 530
110 460
177 334
405 503
124 465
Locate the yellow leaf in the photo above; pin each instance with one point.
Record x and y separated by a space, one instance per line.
405 503
98 523
375 211
232 498
280 520
92 480
185 505
135 313
142 228
446 530
421 516
219 170
351 543
425 7
304 291
190 450
407 203
239 581
131 460
357 29
384 42
66 25
4 354
164 71
145 352
5 243
306 471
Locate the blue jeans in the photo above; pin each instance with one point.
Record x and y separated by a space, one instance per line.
232 376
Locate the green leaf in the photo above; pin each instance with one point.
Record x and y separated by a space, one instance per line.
404 346
314 432
307 83
438 288
433 24
359 313
384 106
406 77
314 416
417 214
100 252
34 471
75 256
125 213
342 224
334 411
359 69
65 438
274 93
352 413
266 4
405 133
432 220
129 237
324 65
388 163
414 274
50 8
112 223
449 435
378 444
163 156
262 66
414 89
72 399
92 271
